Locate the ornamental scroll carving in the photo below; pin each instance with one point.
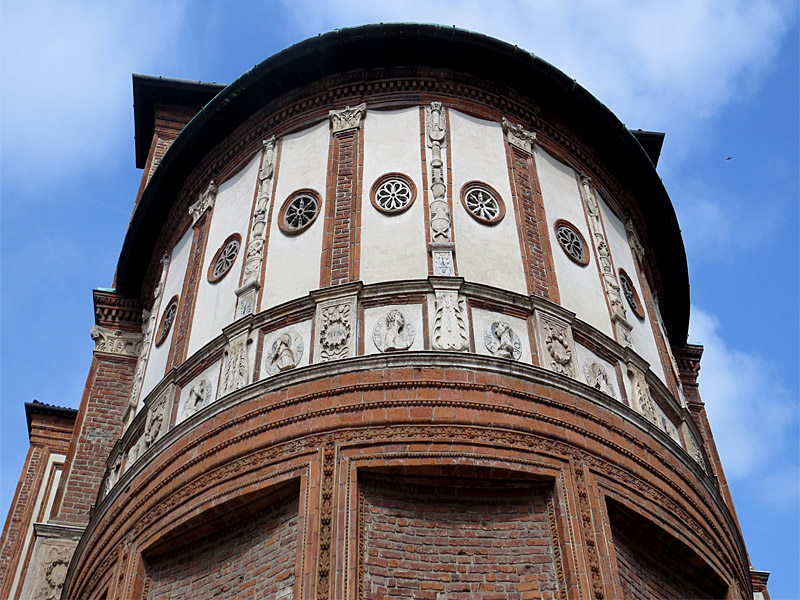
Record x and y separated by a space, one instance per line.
204 202
255 247
502 341
597 377
519 137
336 327
235 365
441 245
284 352
49 581
607 274
347 118
555 336
116 342
450 322
393 332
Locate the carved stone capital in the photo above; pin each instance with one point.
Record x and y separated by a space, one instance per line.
347 118
204 202
519 137
268 164
116 341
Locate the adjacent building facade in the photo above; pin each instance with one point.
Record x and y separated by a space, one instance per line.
400 313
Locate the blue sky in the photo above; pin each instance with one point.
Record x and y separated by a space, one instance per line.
720 77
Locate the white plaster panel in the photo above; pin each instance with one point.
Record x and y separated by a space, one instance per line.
211 374
413 315
157 361
644 341
482 321
293 262
216 302
302 329
392 247
488 254
579 286
585 358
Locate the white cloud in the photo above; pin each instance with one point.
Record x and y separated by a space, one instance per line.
752 416
65 92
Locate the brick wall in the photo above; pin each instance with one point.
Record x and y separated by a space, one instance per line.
653 566
461 543
255 560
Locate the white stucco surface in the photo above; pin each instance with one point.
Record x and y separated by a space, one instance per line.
392 246
579 287
302 329
644 341
488 254
482 321
293 262
216 302
211 374
157 361
413 316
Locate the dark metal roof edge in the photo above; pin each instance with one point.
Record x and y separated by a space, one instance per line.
501 62
40 408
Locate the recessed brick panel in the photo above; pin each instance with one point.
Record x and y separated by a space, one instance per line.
457 543
255 560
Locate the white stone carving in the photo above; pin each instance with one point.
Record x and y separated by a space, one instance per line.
204 202
335 331
633 240
597 377
116 342
641 399
502 341
285 352
443 263
607 274
393 332
450 322
555 337
156 421
199 397
441 245
519 137
49 581
113 474
255 247
693 446
347 118
235 365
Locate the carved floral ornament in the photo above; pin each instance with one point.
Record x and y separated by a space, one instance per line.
393 332
116 342
571 241
393 193
299 211
235 365
204 202
450 322
517 136
502 341
167 319
630 293
483 202
224 258
347 118
336 331
556 337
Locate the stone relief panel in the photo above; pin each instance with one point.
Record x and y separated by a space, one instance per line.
556 345
116 342
204 202
517 136
441 234
336 324
502 341
503 336
383 334
283 353
158 416
666 424
639 396
449 329
236 362
693 446
199 393
597 372
49 564
113 473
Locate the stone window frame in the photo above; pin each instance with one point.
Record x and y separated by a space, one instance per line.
212 266
284 227
485 187
636 306
563 223
383 179
165 327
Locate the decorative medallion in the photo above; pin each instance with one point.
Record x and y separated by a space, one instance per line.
393 193
199 397
597 377
450 322
572 242
167 319
334 337
393 332
224 258
502 341
284 353
483 202
299 211
632 297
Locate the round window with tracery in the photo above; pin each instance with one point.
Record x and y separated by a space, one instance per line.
572 242
483 203
224 258
393 193
299 211
629 291
167 319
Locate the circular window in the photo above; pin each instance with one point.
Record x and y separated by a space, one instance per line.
483 202
299 211
572 241
393 193
629 291
167 319
224 258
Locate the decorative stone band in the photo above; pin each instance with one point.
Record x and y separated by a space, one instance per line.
347 118
116 342
204 202
519 137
